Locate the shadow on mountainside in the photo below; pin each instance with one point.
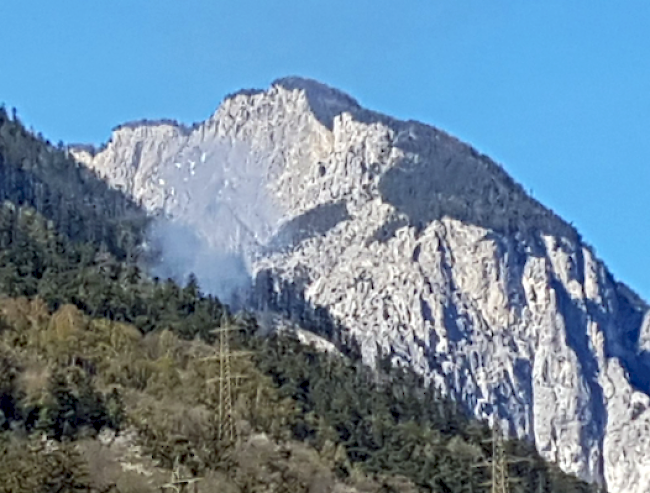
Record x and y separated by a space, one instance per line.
441 176
626 348
81 205
577 339
287 298
314 222
438 177
444 178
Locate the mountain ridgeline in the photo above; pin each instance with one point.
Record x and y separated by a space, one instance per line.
426 251
454 300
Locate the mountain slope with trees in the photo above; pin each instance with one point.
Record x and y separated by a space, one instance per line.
106 383
80 204
418 245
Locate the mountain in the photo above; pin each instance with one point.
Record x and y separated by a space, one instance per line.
420 246
108 382
108 376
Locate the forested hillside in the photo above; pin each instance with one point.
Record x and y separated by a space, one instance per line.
81 205
109 380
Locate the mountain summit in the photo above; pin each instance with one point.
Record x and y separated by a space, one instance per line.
423 248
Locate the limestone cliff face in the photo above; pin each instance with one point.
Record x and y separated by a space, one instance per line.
424 249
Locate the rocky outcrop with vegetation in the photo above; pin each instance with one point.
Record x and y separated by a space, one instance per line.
110 381
424 249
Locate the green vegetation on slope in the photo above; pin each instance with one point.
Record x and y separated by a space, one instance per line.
100 346
90 347
80 204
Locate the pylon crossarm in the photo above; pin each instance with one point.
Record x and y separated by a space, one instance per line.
482 464
224 329
229 355
180 482
517 460
231 377
496 436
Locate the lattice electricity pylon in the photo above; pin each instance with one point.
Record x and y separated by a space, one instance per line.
500 479
227 428
178 484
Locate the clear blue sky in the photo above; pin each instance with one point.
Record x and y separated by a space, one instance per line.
557 91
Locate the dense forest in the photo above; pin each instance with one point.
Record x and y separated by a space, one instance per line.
114 381
79 203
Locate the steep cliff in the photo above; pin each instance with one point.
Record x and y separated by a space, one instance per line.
422 247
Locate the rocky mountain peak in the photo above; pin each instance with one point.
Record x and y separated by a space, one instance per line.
324 101
421 247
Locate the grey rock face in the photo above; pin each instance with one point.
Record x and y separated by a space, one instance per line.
423 248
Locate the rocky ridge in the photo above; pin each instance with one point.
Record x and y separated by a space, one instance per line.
422 247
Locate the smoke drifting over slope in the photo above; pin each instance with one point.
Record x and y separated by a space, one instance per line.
221 214
183 251
416 243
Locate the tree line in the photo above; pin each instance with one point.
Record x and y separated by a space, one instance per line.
90 344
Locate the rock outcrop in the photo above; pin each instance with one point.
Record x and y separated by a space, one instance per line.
424 249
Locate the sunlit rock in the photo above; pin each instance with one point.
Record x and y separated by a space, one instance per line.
422 247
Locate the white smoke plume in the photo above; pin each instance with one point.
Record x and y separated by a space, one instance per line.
219 214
